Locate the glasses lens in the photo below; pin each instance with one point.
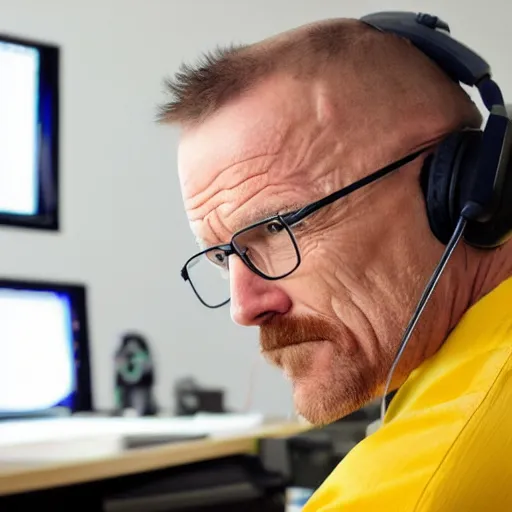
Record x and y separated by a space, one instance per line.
270 248
209 276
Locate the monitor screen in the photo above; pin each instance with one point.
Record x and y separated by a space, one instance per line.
28 134
44 345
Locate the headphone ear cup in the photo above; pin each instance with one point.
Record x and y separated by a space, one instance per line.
439 178
498 229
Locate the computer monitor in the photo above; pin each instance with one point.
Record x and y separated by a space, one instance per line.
44 347
29 138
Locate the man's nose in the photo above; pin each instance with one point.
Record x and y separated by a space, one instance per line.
253 298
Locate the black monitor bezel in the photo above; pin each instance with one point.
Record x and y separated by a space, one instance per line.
78 294
48 215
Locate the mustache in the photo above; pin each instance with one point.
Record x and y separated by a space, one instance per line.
283 332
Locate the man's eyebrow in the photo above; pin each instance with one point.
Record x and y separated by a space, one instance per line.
258 214
264 212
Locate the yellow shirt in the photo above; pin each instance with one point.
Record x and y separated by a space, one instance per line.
446 443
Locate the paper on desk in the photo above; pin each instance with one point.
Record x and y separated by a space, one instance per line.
218 425
63 429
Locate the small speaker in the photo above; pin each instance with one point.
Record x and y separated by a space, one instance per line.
190 398
135 375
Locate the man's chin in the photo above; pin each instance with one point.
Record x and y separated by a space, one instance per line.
316 406
325 399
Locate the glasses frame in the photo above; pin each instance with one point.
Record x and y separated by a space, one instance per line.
232 248
289 220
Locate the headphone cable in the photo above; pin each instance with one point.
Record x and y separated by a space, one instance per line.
427 293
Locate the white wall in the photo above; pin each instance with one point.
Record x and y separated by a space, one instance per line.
120 198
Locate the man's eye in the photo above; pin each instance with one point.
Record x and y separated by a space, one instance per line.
220 257
274 227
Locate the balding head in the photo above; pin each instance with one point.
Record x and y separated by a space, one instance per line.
386 70
277 125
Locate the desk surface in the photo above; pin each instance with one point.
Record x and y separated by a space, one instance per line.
36 474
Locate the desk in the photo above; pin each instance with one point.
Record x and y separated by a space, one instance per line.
22 476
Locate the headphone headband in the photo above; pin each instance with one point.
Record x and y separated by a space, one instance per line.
432 36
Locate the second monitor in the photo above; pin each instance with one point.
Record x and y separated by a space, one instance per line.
44 343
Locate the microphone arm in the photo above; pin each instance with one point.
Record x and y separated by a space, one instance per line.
427 293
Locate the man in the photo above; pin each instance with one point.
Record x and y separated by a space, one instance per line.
273 127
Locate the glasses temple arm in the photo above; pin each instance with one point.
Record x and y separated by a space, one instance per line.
299 215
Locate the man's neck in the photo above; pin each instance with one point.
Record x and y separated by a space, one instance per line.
481 273
492 269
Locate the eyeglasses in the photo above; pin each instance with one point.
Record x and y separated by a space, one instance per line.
268 247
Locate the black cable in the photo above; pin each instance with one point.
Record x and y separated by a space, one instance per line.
429 289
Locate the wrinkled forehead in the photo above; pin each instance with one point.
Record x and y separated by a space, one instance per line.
225 173
250 128
209 153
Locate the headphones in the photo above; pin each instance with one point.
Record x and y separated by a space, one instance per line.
470 172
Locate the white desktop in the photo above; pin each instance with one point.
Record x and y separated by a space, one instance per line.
73 438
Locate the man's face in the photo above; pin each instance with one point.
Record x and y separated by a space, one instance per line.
334 324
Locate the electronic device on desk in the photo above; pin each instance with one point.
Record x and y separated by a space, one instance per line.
131 441
45 348
135 376
192 398
29 138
